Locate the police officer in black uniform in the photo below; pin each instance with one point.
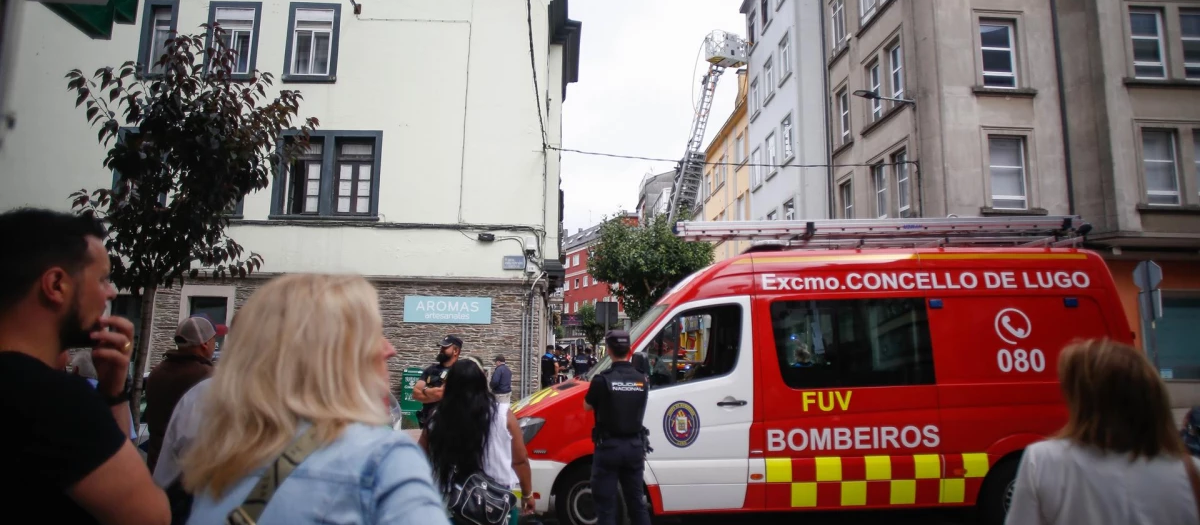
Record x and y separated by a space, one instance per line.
584 362
428 389
618 397
549 366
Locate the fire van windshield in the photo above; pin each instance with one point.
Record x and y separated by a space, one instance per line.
634 333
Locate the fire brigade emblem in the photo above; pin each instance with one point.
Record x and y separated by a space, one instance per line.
681 424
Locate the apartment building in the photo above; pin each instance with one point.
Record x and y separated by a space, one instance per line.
1132 77
409 166
1021 107
974 127
726 193
654 194
786 122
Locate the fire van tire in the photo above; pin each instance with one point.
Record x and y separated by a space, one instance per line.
573 503
995 494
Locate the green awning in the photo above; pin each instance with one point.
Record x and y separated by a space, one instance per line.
96 21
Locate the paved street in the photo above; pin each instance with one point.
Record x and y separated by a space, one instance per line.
940 517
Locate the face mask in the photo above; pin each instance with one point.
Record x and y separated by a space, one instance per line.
443 357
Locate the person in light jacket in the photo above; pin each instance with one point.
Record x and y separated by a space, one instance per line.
308 352
1119 460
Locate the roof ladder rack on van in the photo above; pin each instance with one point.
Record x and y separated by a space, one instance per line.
1040 231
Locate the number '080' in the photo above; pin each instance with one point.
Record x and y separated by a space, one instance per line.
1020 360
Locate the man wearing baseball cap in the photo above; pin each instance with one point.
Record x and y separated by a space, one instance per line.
429 388
180 370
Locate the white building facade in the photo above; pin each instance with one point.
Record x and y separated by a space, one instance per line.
434 105
786 110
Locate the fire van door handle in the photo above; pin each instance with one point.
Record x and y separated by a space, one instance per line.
731 402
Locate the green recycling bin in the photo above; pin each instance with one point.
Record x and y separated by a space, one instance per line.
408 405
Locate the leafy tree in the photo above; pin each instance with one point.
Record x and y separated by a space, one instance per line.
646 260
593 331
201 142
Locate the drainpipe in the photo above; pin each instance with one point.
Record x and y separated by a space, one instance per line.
1062 107
830 203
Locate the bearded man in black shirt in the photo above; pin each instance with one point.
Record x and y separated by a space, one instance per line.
67 456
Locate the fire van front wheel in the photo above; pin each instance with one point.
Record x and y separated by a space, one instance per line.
996 494
573 503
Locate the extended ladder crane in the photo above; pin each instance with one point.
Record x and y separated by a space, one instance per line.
721 50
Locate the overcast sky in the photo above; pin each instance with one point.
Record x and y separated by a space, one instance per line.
635 96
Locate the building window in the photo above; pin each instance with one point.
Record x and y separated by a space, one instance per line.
1189 26
577 283
772 215
879 179
355 161
304 181
575 260
844 109
772 160
750 25
769 76
129 307
1177 332
239 23
785 56
837 9
576 306
312 46
876 104
1196 155
1145 29
739 153
337 175
896 62
847 193
755 98
756 171
1158 157
785 127
866 9
789 210
1007 168
722 170
900 166
764 9
567 286
214 302
998 54
158 25
740 211
853 343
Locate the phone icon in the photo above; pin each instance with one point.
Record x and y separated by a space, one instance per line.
1012 325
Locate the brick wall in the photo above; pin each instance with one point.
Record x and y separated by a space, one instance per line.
414 342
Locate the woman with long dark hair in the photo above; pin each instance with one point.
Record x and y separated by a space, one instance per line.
470 432
1119 460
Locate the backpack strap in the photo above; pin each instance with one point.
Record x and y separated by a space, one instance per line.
250 510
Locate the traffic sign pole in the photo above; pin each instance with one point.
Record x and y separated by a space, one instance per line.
1147 276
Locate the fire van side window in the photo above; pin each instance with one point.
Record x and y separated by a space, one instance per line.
863 342
696 345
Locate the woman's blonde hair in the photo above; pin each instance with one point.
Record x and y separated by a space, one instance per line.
305 348
1117 401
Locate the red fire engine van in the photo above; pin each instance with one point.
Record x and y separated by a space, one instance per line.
845 379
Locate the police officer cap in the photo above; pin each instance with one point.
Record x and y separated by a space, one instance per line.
617 338
450 340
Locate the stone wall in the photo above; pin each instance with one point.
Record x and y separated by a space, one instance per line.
415 342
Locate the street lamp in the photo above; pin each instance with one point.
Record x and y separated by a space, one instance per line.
871 95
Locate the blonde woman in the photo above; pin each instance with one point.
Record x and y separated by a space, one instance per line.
307 354
1119 460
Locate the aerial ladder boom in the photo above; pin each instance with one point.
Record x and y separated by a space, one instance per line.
722 50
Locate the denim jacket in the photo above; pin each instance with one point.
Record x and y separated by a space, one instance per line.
369 475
